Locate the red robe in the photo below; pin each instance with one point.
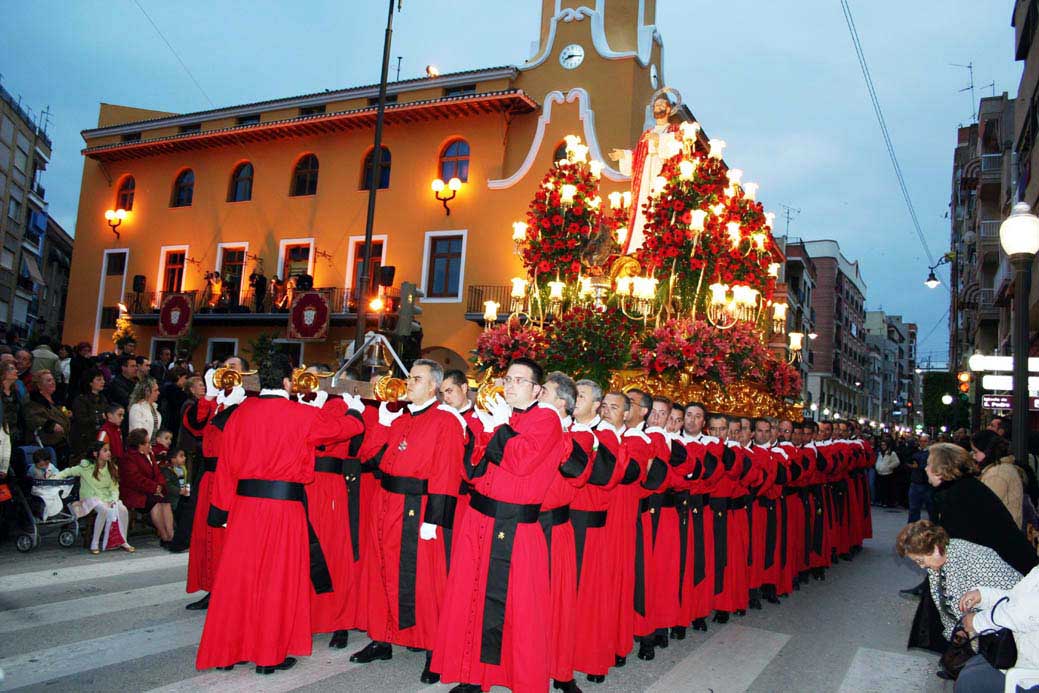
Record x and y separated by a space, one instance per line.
764 570
475 441
701 471
328 504
422 451
821 536
653 450
495 618
260 605
729 506
791 549
207 542
663 531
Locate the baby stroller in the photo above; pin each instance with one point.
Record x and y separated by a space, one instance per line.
64 524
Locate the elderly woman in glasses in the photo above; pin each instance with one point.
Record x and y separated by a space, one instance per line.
954 567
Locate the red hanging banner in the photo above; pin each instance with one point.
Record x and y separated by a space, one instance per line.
309 316
174 315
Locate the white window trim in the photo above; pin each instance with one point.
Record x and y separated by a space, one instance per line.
426 247
284 243
163 251
209 345
153 352
354 243
101 288
219 267
302 347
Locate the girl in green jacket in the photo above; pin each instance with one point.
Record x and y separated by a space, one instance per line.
99 493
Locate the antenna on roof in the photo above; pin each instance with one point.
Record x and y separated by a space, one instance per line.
399 58
789 213
969 67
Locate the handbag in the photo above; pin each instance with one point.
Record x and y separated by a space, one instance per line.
958 652
998 646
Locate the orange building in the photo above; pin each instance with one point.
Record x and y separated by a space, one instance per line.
281 186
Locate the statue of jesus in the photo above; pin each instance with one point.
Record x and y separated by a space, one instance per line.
655 146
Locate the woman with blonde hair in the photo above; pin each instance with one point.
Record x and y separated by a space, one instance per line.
144 412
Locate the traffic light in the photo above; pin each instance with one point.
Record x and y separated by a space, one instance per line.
964 378
409 309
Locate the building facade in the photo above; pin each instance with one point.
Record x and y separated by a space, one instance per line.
56 263
281 187
25 151
839 359
797 274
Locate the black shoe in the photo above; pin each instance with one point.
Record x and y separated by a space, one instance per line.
943 674
797 585
339 639
428 677
701 624
173 548
720 617
415 649
287 663
566 686
465 688
819 574
660 638
619 661
229 667
372 651
646 650
754 603
678 632
769 591
595 678
917 591
846 557
741 612
201 605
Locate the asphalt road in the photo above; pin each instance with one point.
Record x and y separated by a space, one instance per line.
70 621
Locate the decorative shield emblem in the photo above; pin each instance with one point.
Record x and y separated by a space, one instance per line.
309 316
174 315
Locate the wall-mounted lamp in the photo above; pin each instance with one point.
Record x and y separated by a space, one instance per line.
454 185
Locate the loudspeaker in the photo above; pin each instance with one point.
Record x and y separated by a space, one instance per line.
386 275
138 283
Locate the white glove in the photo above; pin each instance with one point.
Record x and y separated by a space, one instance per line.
501 412
211 391
354 403
387 417
237 396
427 531
485 419
320 397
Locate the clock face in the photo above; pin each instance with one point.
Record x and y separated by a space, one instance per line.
571 56
654 79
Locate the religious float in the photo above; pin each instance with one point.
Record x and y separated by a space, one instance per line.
666 287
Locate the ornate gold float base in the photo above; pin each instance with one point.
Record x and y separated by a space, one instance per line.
739 399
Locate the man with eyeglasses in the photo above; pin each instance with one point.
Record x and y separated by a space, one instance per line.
405 573
493 625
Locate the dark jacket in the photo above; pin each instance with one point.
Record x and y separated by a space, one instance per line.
918 475
88 413
43 417
118 391
171 401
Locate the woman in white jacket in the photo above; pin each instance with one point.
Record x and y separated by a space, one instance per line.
1016 609
144 412
887 463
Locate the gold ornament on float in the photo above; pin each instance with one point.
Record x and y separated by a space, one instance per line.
389 389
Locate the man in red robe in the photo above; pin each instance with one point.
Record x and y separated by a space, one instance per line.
406 570
454 392
764 574
494 622
260 607
701 471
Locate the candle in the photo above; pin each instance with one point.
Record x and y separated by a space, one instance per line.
624 286
627 198
718 209
659 182
686 169
779 312
718 293
689 131
572 141
593 202
770 219
750 191
567 192
519 287
579 152
615 200
733 227
586 285
645 288
717 149
490 311
773 269
519 231
759 239
596 166
796 341
555 290
697 219
734 175
622 235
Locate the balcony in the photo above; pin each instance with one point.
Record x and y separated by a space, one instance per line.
988 233
991 167
987 309
144 307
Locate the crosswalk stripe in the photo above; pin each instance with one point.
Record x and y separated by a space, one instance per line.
77 657
106 567
87 607
879 671
710 666
324 664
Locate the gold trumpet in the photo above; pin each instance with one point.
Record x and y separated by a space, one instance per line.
389 389
228 378
305 382
487 391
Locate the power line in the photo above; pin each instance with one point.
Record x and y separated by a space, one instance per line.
172 50
883 127
939 322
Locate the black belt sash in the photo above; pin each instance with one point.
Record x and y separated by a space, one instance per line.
840 499
292 491
506 517
697 502
720 507
350 468
770 530
652 505
784 531
583 520
209 464
806 505
549 519
818 519
413 490
750 532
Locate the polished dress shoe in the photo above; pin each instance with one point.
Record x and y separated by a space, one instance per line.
678 632
770 594
660 639
619 661
646 650
754 603
372 651
741 612
566 686
466 688
229 667
701 624
596 678
428 676
201 605
339 640
720 617
286 663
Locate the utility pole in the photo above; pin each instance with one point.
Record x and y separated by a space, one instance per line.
362 299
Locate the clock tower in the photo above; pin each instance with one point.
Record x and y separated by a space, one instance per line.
593 70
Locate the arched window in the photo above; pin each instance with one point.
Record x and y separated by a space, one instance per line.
560 152
124 197
304 176
183 189
241 189
454 161
384 170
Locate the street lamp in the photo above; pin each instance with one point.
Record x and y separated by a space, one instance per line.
946 399
115 217
454 185
932 281
1019 236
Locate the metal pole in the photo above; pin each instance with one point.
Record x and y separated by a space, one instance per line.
1022 264
362 299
